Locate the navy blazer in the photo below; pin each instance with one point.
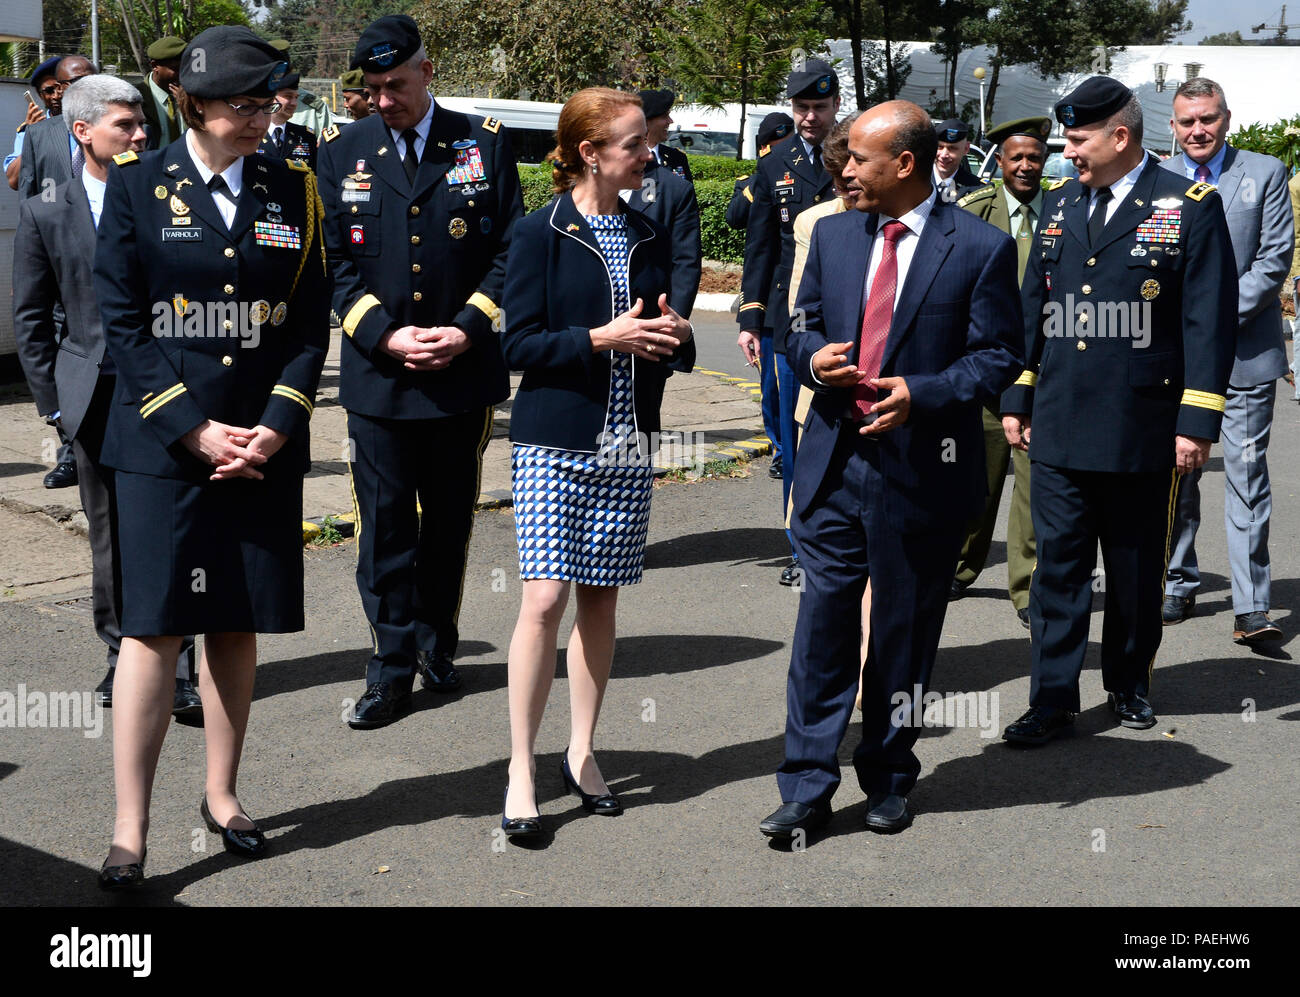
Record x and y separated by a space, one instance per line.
557 289
956 337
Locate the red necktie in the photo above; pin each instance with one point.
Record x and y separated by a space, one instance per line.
877 317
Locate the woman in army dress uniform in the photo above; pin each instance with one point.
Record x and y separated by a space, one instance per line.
210 276
589 324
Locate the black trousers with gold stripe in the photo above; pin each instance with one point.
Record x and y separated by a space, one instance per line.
411 563
1129 514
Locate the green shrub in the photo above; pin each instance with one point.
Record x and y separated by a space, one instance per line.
536 182
1280 139
719 168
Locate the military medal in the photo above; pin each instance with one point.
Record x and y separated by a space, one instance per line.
259 312
276 234
469 164
1150 288
1164 225
457 228
278 316
178 206
160 192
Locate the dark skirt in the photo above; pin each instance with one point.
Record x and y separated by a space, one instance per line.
222 556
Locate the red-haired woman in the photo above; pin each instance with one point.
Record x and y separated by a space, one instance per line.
588 321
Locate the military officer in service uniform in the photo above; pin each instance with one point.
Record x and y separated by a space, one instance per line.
657 104
773 128
284 139
953 178
210 275
356 98
419 201
163 123
1014 206
1130 303
785 182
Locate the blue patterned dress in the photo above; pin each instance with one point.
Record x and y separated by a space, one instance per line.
583 517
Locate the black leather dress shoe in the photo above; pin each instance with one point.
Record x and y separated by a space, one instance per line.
1255 628
1132 710
788 818
104 691
957 589
776 470
122 877
187 708
887 813
793 572
1176 608
63 475
1039 725
379 706
1023 616
437 673
606 805
249 844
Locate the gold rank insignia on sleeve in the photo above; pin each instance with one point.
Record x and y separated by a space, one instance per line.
1058 184
122 158
1198 190
492 125
330 133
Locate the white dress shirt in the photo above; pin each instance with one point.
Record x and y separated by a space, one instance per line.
232 174
1119 190
94 194
421 135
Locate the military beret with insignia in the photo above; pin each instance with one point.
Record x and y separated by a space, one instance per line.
166 48
228 60
386 42
656 103
1039 128
353 80
775 126
1095 99
952 130
45 69
816 80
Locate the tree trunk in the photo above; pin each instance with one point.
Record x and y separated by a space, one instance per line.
855 42
993 86
744 102
133 35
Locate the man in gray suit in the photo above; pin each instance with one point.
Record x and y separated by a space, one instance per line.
72 374
48 145
1254 192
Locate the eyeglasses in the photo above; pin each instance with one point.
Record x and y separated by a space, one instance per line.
248 110
50 90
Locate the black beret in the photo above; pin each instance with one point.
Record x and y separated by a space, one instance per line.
386 42
230 59
166 48
290 82
776 125
1095 99
1039 128
46 68
816 80
952 130
656 103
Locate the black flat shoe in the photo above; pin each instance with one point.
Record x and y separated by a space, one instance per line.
249 844
520 827
122 877
437 673
104 691
187 707
607 805
789 818
1039 725
887 813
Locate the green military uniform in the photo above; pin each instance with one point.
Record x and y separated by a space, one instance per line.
992 203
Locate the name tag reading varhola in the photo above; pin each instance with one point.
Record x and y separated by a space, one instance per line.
274 234
182 235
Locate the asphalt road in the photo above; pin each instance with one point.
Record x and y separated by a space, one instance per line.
1202 809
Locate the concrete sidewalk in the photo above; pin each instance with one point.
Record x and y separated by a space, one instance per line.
715 416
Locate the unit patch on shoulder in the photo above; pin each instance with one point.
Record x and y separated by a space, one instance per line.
330 133
1198 190
130 156
492 125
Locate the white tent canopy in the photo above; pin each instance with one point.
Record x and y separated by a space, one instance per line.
1258 81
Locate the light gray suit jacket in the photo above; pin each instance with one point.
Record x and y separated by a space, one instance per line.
46 155
1258 209
54 259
